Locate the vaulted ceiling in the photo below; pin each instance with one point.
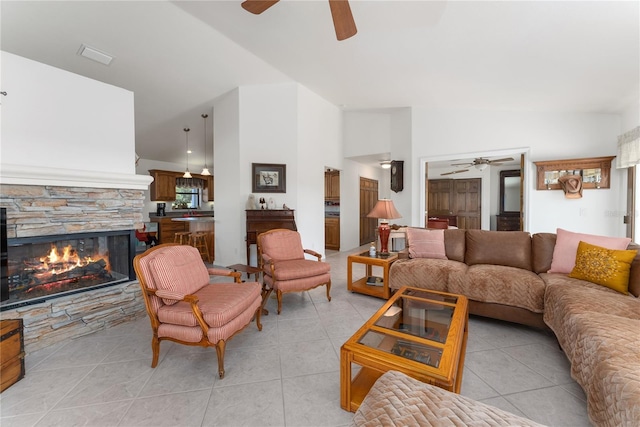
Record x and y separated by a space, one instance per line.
177 57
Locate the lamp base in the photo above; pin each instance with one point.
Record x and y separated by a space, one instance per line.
384 231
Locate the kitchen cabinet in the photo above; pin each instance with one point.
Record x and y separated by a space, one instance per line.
332 233
168 228
163 187
332 185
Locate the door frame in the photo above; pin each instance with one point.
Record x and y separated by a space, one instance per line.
486 193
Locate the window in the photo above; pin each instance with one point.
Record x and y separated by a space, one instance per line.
187 198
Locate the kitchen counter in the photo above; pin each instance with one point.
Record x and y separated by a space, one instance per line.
195 219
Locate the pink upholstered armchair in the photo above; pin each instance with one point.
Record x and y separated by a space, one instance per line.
185 308
284 266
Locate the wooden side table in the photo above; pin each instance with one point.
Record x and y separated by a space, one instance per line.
360 285
247 269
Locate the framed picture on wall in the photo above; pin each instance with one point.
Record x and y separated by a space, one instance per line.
269 178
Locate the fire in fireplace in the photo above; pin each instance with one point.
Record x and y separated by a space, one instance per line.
44 267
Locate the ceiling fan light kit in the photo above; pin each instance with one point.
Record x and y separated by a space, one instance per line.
343 22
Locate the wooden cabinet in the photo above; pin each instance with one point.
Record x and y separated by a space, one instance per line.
508 222
332 185
332 233
163 187
456 197
210 194
167 229
11 352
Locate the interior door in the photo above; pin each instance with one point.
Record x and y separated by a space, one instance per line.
368 199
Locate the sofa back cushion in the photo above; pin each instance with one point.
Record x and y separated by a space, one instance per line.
455 244
542 245
564 253
510 248
634 274
425 243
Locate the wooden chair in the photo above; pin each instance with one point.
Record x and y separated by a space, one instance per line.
199 241
182 237
185 308
284 266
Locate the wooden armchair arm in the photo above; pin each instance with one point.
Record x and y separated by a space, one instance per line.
313 253
220 272
191 299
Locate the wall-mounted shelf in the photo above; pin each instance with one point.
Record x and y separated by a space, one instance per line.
595 172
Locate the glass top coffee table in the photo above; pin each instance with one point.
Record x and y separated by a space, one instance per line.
418 332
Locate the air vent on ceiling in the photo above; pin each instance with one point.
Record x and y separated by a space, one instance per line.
95 54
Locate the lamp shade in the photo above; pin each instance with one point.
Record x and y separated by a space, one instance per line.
384 209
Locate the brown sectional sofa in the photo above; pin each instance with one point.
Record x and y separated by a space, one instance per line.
504 276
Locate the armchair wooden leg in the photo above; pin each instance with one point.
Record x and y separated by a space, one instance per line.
258 314
220 346
279 293
329 290
155 346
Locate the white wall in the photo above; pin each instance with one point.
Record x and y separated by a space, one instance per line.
64 120
282 124
59 128
549 136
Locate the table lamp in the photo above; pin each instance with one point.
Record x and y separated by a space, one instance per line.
384 210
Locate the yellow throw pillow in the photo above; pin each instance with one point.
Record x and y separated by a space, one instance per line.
606 267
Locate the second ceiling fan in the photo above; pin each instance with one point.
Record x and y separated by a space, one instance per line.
343 21
479 163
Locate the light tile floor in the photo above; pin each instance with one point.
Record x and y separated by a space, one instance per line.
286 375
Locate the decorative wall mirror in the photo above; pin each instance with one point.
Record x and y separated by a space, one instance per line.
595 172
510 192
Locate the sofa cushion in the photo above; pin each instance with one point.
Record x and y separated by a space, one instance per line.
454 243
501 285
602 266
396 399
542 245
564 253
425 243
427 273
566 297
508 248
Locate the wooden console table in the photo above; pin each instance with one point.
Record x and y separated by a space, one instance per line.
261 220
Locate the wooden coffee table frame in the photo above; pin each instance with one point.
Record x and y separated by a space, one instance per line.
360 285
374 362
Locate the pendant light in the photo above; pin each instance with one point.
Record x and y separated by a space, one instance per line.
205 170
187 174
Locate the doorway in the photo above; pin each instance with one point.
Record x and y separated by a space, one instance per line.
368 199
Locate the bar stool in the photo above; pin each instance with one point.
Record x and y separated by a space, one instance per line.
182 237
199 241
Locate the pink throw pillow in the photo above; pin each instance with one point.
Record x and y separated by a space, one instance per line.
425 243
564 253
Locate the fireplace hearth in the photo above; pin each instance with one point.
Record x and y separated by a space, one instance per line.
44 267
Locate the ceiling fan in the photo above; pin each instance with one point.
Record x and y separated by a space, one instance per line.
479 163
343 21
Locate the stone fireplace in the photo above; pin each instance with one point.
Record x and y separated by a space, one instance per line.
82 219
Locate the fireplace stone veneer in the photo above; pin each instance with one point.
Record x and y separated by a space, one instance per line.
41 210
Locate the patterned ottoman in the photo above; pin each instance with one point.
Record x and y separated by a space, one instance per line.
398 400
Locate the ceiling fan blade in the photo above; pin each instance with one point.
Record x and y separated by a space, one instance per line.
257 6
462 164
342 19
506 159
452 172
